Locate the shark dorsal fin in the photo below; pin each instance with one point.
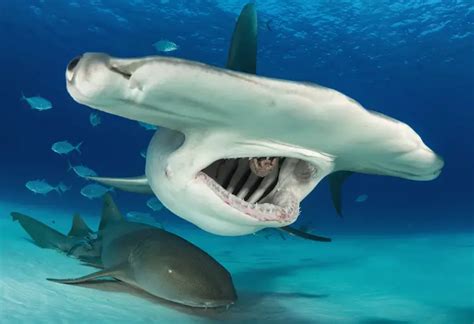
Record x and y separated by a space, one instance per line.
243 48
79 227
110 212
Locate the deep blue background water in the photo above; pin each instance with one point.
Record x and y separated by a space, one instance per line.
412 60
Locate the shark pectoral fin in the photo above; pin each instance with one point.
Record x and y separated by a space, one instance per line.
114 272
243 48
110 212
42 235
133 184
79 228
336 180
305 235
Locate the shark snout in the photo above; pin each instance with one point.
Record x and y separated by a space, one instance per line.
421 164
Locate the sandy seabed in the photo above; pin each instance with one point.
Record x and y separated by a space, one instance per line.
355 279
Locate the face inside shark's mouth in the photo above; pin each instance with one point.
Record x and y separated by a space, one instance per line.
263 188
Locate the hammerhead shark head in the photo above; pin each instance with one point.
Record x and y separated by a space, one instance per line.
237 152
145 257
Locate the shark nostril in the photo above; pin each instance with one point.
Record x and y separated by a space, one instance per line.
73 63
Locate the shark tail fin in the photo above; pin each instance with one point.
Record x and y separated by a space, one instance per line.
79 228
116 271
77 147
41 234
336 180
110 212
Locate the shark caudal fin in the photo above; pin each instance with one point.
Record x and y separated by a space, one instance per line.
79 228
110 212
336 180
41 234
134 184
242 55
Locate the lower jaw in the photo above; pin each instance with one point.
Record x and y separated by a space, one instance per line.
261 212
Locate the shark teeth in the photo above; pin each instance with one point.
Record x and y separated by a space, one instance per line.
262 211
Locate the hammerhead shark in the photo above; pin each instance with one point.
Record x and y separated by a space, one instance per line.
237 152
145 257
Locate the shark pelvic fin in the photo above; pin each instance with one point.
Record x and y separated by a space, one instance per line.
336 180
243 48
115 272
110 212
134 184
79 228
42 235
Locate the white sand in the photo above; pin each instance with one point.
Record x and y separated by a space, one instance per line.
413 279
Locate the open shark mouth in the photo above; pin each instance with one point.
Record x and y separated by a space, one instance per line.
257 186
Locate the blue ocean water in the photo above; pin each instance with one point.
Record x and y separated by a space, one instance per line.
412 60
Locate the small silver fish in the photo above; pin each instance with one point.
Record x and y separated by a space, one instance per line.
165 46
139 216
43 187
82 171
143 153
148 126
362 198
94 190
154 204
37 102
64 147
94 119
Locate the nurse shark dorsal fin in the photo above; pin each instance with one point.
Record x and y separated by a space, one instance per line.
336 180
110 213
243 48
79 228
118 272
41 234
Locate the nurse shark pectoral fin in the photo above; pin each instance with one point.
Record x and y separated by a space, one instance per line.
119 271
215 163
